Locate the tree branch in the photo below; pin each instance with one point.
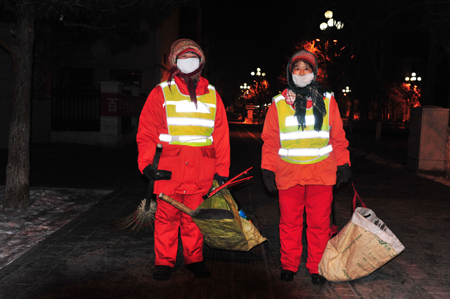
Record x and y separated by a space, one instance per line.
6 45
71 24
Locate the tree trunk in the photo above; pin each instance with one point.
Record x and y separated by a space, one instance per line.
434 58
447 155
18 168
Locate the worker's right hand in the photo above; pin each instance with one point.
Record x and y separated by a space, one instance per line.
158 174
269 180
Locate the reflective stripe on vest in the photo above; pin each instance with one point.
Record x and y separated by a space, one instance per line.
188 124
302 147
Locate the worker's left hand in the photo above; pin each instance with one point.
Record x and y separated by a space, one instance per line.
220 179
159 174
343 174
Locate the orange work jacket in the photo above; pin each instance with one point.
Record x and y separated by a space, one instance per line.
192 167
287 174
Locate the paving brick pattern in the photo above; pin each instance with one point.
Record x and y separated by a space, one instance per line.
86 259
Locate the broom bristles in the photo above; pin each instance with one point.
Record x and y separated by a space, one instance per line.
139 221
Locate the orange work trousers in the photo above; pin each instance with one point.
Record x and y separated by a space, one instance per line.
315 200
168 221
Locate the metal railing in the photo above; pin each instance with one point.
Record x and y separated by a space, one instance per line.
75 109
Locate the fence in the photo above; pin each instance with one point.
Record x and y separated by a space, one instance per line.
75 110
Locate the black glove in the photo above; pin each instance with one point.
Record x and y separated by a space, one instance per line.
220 179
269 180
343 174
158 174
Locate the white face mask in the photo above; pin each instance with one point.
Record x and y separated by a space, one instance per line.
188 65
302 81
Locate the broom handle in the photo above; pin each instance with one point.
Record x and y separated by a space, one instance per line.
175 203
151 182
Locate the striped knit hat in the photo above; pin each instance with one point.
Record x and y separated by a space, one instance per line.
179 47
305 56
182 46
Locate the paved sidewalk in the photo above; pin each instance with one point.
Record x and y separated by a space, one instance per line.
85 259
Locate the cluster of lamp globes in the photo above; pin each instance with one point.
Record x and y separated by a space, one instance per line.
258 73
330 22
413 77
346 90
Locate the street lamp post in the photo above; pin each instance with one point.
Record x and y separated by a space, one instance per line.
244 89
413 83
346 92
326 27
328 46
260 84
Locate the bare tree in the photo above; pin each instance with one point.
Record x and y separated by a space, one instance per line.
435 16
101 15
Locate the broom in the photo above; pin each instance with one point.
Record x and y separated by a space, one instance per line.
142 219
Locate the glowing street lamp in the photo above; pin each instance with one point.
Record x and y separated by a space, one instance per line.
346 90
413 78
244 87
258 73
330 22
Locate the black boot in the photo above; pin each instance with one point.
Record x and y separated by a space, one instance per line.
199 269
318 279
287 275
162 272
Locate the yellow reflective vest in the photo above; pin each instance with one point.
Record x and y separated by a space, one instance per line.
188 124
298 146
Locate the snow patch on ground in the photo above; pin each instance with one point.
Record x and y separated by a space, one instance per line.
49 210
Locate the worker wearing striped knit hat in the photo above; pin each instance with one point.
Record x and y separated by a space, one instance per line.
186 115
303 156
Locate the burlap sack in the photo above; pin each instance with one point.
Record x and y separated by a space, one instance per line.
361 247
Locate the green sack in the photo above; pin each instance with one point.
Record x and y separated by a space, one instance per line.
228 231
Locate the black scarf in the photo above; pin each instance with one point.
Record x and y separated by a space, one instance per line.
313 91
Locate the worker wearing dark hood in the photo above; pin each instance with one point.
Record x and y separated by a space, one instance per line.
303 156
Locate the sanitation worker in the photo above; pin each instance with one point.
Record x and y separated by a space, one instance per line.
186 115
303 156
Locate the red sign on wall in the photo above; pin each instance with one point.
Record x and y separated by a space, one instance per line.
112 104
109 104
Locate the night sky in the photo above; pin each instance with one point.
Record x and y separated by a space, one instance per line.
245 35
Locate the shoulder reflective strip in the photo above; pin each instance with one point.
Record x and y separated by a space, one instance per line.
305 135
305 152
211 87
184 138
187 121
292 120
278 98
165 84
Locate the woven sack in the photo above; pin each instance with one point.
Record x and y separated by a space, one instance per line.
228 234
361 247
